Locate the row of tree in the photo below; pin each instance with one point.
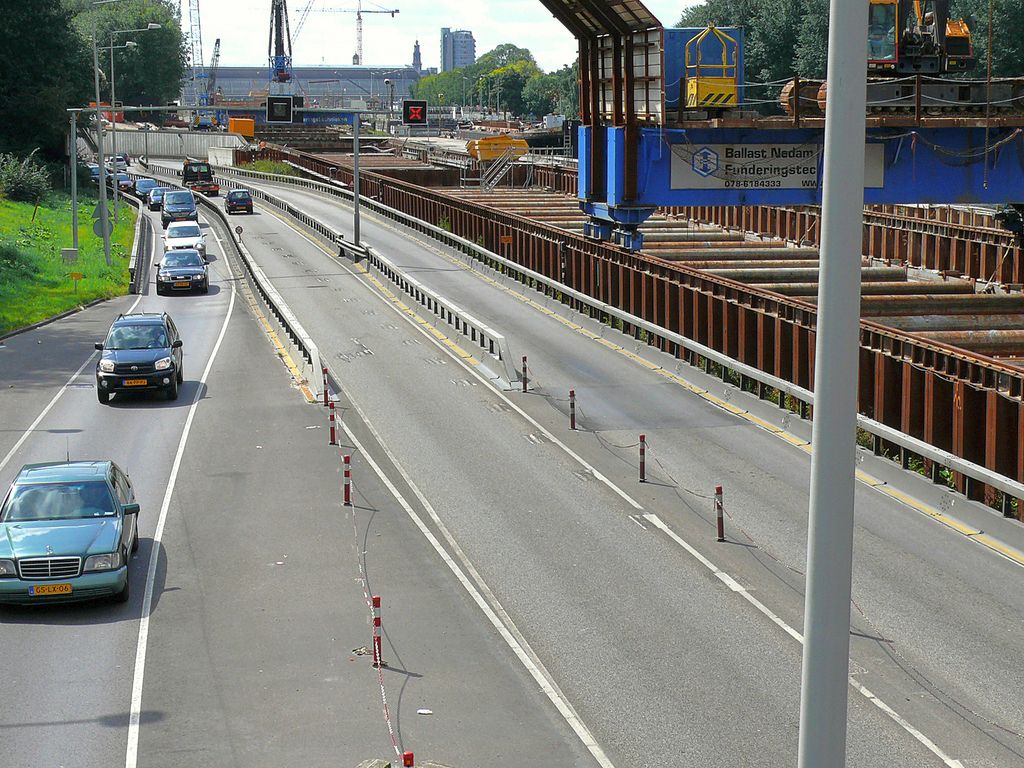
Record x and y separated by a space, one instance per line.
506 79
47 64
787 37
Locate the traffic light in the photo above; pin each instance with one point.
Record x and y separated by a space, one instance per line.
279 109
414 112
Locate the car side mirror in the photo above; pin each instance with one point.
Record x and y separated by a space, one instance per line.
156 265
99 345
176 344
131 509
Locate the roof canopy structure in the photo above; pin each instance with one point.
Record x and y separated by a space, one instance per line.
587 19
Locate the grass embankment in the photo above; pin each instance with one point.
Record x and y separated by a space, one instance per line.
270 166
34 280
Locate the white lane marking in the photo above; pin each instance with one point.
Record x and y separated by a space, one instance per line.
724 577
735 586
132 750
53 402
504 625
575 456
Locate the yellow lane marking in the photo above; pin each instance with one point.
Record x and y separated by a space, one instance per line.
282 352
804 445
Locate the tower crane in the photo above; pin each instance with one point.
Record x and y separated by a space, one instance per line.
279 47
195 39
359 11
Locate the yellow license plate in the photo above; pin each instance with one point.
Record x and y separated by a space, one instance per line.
50 589
135 382
183 284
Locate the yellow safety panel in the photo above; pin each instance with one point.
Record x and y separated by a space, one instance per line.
494 147
704 92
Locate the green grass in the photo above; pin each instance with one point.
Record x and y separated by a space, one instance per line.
270 166
34 281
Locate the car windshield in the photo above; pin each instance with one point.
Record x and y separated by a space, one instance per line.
182 260
156 192
142 336
58 501
188 231
145 184
238 195
178 197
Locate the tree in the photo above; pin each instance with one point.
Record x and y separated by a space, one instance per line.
812 45
152 72
45 68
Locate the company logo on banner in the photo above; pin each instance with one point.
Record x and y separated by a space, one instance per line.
759 166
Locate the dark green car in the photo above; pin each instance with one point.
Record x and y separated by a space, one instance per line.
67 531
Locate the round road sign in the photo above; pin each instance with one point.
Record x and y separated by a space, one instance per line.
238 230
97 227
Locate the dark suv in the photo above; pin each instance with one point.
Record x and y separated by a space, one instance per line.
238 200
142 352
178 205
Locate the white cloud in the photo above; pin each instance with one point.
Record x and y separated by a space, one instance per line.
329 38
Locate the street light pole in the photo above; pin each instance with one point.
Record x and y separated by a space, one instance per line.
104 214
825 674
355 180
113 132
74 179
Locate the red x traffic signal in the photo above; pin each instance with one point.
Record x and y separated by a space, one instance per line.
414 112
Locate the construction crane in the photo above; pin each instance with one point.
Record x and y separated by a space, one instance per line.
195 40
279 48
211 78
358 11
303 15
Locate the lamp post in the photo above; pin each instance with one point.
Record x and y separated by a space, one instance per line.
104 214
130 44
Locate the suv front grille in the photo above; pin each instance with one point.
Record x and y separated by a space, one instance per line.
125 369
50 567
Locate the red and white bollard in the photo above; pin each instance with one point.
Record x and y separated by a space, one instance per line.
407 760
524 373
348 480
572 409
334 432
326 396
643 458
720 512
378 655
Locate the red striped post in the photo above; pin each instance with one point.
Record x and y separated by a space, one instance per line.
407 760
378 656
524 373
334 433
348 480
326 397
572 409
720 513
643 458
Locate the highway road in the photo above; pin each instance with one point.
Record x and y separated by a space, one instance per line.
662 660
245 644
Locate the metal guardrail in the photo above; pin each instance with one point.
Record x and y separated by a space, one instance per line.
730 367
486 338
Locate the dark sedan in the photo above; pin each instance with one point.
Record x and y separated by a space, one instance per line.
155 198
142 352
238 200
142 186
178 205
183 269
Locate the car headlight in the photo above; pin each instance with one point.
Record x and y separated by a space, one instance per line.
200 277
107 366
163 364
107 562
201 245
8 568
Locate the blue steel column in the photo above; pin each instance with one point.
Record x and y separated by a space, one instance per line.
824 684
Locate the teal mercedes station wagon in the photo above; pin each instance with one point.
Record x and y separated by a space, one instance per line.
67 531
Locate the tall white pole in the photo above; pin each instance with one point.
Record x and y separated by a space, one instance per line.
104 214
74 179
113 130
824 684
355 179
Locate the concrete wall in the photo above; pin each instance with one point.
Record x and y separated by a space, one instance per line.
222 155
172 143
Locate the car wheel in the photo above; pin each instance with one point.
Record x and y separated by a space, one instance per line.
172 390
181 375
206 288
135 541
159 290
124 594
103 397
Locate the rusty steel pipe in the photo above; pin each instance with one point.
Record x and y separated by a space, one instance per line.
936 304
1003 343
909 288
955 323
806 275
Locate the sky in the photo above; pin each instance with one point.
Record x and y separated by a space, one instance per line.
329 38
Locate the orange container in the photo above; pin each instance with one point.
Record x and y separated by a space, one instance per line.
245 126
